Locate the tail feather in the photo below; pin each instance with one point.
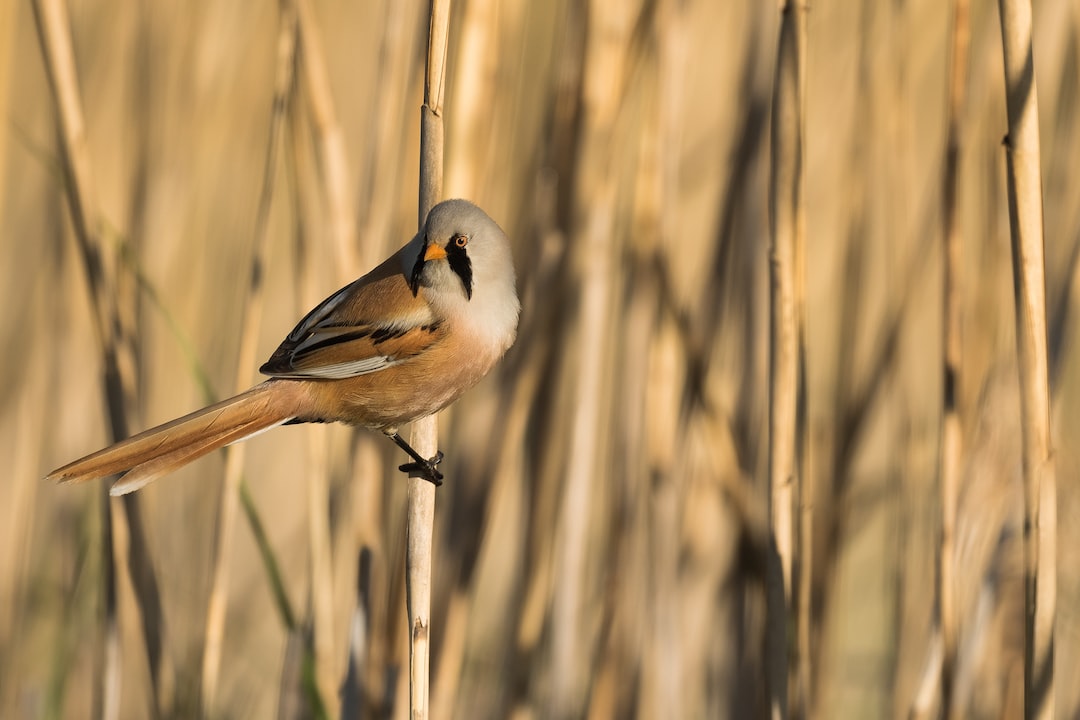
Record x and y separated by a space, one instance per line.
160 450
147 472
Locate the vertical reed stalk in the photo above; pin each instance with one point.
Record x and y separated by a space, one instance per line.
383 164
372 651
785 358
466 167
333 187
594 250
420 522
951 426
53 25
803 572
474 78
329 136
253 309
655 477
1026 226
8 14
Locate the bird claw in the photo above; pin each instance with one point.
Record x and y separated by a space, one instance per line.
427 469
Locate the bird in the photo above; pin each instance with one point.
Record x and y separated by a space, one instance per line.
398 344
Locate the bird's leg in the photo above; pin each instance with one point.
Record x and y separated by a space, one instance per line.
428 469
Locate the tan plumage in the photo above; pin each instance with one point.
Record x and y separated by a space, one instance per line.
400 343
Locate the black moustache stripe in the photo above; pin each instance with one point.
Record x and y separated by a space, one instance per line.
460 264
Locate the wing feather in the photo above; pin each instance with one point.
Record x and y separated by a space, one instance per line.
372 324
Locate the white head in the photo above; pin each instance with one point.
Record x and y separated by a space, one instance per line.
462 264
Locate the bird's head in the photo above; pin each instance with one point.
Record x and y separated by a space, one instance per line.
461 251
462 261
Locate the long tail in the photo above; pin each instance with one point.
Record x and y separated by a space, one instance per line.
165 448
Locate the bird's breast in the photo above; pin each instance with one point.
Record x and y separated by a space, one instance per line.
412 388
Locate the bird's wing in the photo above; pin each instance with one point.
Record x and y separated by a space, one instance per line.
345 351
370 325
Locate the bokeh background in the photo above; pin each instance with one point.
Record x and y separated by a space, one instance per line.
599 538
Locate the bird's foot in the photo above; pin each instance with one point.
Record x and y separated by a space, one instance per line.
427 469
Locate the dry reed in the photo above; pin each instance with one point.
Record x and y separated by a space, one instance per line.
601 541
952 344
112 322
420 520
246 358
1026 225
786 365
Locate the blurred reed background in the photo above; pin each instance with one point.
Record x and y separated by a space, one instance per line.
599 540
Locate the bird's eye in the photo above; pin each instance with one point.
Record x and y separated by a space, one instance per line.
461 240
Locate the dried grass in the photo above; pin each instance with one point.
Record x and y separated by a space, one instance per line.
598 549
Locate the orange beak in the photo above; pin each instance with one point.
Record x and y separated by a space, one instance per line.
434 252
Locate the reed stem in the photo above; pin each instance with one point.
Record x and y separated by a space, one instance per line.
420 521
1029 282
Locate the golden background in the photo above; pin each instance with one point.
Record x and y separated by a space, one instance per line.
599 536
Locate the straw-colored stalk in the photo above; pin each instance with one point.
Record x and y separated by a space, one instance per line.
8 16
785 357
330 138
101 271
383 163
249 334
420 520
951 427
18 518
655 359
373 645
333 187
474 84
593 249
1026 226
374 630
802 579
470 137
